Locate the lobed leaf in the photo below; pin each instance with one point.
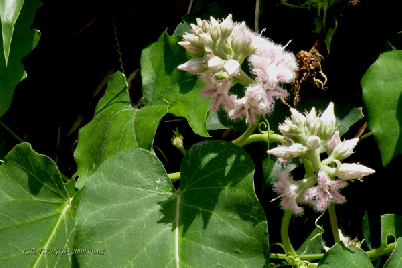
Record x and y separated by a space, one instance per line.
390 225
116 126
36 211
24 40
164 84
341 256
130 208
382 97
395 260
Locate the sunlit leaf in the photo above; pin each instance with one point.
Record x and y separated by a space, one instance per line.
390 225
382 96
164 84
36 212
395 260
341 256
116 126
129 208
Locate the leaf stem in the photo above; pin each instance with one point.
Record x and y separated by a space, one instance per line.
174 176
334 222
265 137
248 132
282 256
11 132
371 254
366 135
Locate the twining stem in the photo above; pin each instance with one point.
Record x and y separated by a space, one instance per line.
266 137
285 233
380 251
248 132
334 222
174 176
11 132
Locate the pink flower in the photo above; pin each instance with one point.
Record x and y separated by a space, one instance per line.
248 106
218 91
289 192
333 142
325 191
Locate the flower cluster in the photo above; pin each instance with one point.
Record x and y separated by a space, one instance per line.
307 136
218 50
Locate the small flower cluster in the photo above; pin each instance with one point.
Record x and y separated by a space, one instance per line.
307 136
219 49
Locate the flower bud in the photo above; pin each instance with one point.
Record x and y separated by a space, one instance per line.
205 39
227 26
344 149
327 123
191 38
194 66
215 33
215 64
288 152
353 171
199 22
193 49
333 142
312 121
232 67
297 117
313 142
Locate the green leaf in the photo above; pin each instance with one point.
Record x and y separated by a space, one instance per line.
36 211
382 96
9 12
341 256
390 225
116 126
23 41
313 243
164 84
395 260
129 208
366 230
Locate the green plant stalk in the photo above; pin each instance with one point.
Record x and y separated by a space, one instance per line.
244 79
248 132
11 132
263 137
334 222
371 254
174 176
380 251
285 234
366 135
308 167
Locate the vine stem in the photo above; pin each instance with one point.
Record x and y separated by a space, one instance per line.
263 137
334 222
285 233
174 176
10 131
248 132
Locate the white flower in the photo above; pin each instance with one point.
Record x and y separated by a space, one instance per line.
288 152
232 67
353 171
